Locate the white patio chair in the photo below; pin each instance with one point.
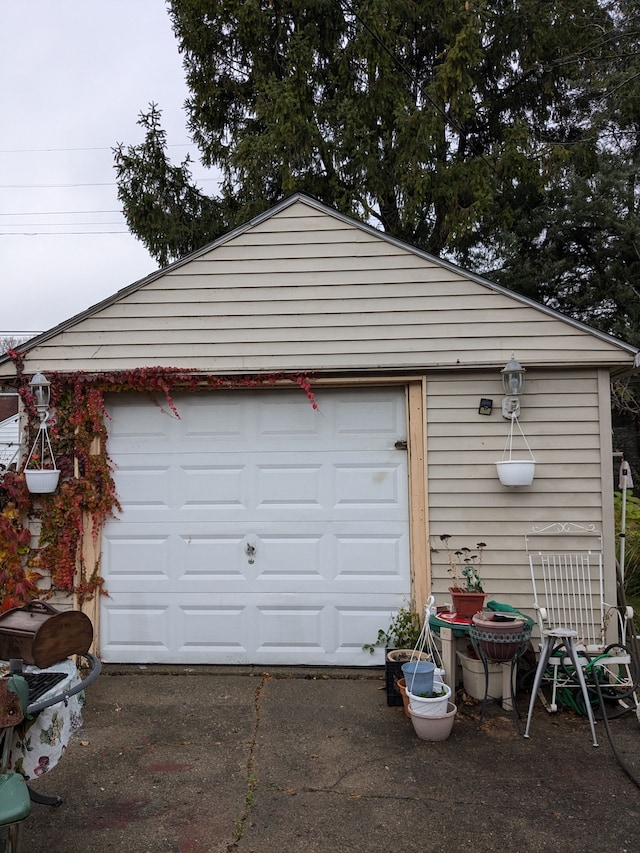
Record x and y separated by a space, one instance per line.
575 621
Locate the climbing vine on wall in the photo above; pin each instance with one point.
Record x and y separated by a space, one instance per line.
78 429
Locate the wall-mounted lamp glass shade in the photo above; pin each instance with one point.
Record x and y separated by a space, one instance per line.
513 384
41 388
513 377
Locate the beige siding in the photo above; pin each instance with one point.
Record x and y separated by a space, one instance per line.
561 421
305 290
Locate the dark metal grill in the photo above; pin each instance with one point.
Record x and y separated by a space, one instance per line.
40 682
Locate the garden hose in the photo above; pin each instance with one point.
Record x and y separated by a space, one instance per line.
618 757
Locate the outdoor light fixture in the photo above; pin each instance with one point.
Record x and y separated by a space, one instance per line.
41 388
513 384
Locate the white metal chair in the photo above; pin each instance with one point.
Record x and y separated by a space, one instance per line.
576 623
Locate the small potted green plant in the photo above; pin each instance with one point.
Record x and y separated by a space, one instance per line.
467 594
399 640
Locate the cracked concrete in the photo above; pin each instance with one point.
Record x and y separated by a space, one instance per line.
235 760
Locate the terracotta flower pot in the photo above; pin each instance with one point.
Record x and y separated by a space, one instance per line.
465 604
403 692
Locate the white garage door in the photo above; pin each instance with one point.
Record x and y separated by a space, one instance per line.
255 529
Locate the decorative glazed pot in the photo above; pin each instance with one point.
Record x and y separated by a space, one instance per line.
465 604
434 727
494 635
42 481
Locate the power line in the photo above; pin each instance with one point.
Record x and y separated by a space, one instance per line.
60 212
57 224
96 148
73 186
56 233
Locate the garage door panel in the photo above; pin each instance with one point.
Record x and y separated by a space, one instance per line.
372 558
288 485
255 529
364 483
246 488
131 629
287 419
199 426
210 486
322 561
356 417
138 559
144 486
230 631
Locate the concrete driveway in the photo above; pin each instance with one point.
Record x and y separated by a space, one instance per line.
211 760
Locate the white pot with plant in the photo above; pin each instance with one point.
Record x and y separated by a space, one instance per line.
430 704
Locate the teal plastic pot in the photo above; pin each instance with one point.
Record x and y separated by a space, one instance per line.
418 675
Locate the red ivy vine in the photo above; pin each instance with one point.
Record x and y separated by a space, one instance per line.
78 431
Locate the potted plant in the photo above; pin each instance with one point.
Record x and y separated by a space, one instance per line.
40 470
430 703
399 640
467 594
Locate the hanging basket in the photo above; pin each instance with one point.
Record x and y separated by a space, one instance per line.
516 472
42 481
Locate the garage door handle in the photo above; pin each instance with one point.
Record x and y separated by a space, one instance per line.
250 551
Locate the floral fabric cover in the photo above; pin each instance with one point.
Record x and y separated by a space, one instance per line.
38 744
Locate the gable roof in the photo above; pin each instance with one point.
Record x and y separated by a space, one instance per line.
303 287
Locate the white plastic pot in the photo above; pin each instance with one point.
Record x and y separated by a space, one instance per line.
434 727
42 481
516 472
430 707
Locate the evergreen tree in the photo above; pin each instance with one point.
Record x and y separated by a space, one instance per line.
476 130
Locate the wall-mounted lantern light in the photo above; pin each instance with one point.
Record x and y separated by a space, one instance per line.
41 388
513 384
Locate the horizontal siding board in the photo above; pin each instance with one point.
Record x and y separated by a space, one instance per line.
333 253
355 333
432 281
232 315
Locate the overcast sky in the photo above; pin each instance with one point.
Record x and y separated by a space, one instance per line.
75 76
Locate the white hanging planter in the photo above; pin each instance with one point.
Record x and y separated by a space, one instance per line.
42 481
516 472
